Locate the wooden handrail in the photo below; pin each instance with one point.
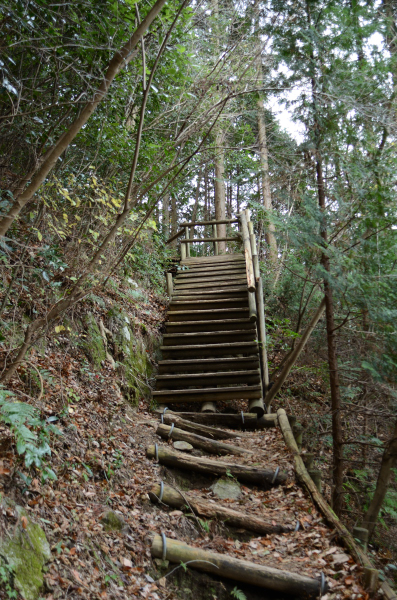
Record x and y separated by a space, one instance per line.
213 239
248 254
176 235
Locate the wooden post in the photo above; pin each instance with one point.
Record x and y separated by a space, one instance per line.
307 458
315 474
371 580
170 287
361 534
187 235
254 251
248 254
298 433
215 235
252 307
262 337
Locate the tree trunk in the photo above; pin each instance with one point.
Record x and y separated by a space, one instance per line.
174 220
219 187
337 438
295 354
166 216
389 461
265 191
118 62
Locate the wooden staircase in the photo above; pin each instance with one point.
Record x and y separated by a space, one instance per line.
211 349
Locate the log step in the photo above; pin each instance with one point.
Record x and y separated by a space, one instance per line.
248 392
210 365
196 326
210 337
208 315
198 441
212 379
203 508
233 420
210 432
209 466
222 565
199 350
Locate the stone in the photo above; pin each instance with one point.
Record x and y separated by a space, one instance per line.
111 521
226 489
26 553
184 446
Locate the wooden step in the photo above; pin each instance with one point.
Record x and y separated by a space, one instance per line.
210 365
208 304
199 274
213 292
215 280
207 295
178 380
236 266
248 392
208 315
225 325
199 350
213 259
210 285
219 337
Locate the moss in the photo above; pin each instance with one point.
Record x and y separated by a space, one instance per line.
26 553
93 342
113 522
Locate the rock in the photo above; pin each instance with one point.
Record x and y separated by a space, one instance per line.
226 489
184 446
111 521
26 552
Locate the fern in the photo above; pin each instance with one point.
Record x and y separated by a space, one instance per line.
31 433
238 594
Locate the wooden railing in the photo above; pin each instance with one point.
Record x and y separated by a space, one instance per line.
246 236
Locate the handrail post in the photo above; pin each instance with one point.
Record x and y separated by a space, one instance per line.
262 336
187 235
170 286
215 235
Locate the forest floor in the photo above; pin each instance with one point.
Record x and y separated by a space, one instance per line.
97 515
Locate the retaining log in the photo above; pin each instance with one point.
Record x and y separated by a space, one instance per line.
198 441
203 508
209 432
235 421
207 466
303 476
244 571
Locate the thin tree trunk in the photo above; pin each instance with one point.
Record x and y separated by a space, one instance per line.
174 220
292 359
264 188
265 191
166 216
118 62
389 461
219 188
337 437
